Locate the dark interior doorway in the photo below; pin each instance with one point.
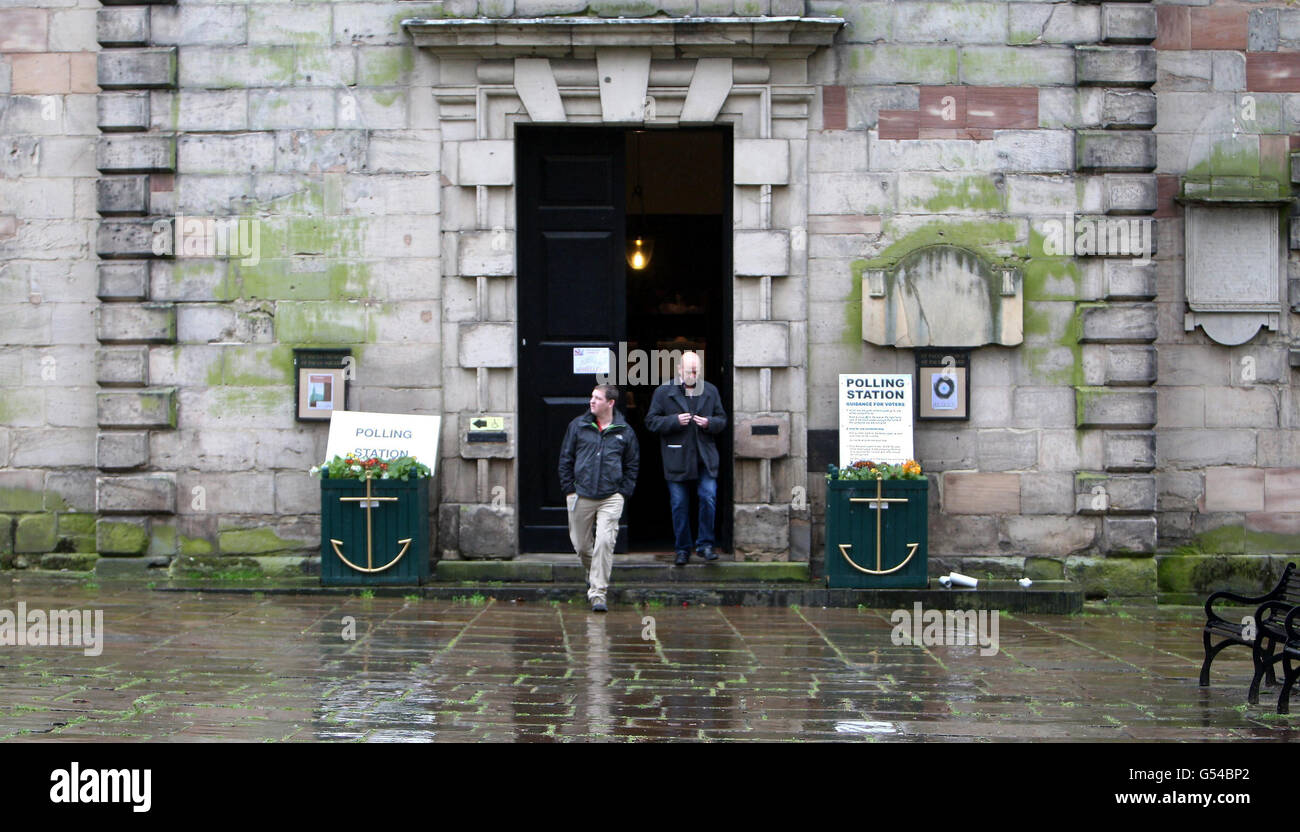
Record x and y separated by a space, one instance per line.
673 190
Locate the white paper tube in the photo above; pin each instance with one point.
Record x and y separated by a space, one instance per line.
962 580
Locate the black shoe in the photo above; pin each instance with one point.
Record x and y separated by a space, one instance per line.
598 605
708 554
682 557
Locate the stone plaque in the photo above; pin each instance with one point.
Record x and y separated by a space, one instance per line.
1232 259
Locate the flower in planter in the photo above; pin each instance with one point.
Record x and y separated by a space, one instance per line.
865 469
350 468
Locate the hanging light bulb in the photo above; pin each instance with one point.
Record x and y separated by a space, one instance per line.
641 248
640 252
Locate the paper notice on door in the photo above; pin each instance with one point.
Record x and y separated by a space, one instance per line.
590 360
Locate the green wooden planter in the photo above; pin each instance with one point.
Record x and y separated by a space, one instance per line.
876 534
381 541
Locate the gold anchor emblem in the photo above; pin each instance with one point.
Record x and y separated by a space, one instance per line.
879 502
369 502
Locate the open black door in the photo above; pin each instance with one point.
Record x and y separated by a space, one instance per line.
571 294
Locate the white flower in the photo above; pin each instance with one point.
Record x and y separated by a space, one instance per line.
314 470
385 476
356 468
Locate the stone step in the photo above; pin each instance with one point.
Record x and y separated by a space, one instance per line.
1048 597
534 569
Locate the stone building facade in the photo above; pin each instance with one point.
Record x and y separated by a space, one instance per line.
1116 176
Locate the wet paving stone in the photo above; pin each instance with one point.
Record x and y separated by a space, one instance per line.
202 667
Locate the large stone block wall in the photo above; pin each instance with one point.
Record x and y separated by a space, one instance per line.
315 125
1228 98
956 123
47 284
156 388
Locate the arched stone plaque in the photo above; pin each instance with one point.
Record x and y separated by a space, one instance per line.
943 296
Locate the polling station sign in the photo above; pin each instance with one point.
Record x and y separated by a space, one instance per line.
875 418
384 436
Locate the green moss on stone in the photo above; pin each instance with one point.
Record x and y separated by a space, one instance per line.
1225 539
162 538
73 562
1044 569
977 192
1114 577
21 499
384 67
35 533
17 409
194 546
76 523
252 366
1191 571
215 568
328 322
118 538
284 566
256 541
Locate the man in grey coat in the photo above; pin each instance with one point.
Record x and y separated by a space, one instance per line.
687 414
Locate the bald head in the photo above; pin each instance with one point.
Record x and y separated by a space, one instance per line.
690 369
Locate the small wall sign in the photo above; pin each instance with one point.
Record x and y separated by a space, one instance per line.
320 383
943 384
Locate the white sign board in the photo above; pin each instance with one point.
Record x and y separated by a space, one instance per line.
384 436
591 360
875 418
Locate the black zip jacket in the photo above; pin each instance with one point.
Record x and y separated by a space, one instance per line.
597 464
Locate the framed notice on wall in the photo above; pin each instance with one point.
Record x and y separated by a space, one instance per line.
320 383
943 385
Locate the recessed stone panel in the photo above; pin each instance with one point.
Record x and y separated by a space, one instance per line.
761 162
762 436
122 195
137 68
759 253
123 281
153 323
122 450
123 111
122 366
981 493
154 408
139 494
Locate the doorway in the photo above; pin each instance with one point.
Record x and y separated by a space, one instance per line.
583 194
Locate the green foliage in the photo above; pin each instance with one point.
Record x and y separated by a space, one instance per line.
867 470
367 594
348 468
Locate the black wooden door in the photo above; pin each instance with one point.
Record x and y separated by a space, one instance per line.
571 285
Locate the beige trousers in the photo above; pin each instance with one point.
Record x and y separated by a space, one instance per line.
593 529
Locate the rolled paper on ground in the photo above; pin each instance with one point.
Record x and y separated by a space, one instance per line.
962 580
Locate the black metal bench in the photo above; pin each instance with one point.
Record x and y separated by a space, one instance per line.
1290 659
1268 625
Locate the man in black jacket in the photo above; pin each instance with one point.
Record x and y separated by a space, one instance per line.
687 415
598 466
